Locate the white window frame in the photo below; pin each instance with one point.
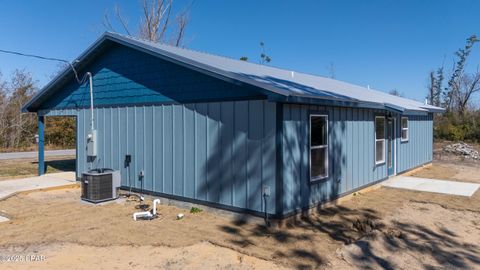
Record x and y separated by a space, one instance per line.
378 140
318 177
406 129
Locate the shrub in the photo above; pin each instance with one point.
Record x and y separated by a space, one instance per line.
195 210
458 127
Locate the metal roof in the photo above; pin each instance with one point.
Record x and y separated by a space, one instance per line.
287 83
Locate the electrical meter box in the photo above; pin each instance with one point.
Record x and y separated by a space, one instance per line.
92 144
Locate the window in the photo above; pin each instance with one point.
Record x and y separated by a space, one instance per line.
404 129
318 147
379 140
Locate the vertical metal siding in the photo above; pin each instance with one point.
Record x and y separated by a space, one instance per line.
351 155
240 153
223 152
219 152
418 149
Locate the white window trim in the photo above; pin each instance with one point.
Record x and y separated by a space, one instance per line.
320 177
402 129
378 140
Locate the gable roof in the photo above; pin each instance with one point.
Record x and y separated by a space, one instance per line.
292 86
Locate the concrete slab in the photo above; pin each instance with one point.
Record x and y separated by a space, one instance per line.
47 181
432 185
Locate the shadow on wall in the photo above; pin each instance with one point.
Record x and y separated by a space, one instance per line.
300 192
238 148
241 154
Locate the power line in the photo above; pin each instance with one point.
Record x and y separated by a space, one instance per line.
49 59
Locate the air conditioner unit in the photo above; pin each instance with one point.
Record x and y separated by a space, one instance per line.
100 185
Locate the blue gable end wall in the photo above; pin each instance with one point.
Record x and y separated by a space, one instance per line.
124 76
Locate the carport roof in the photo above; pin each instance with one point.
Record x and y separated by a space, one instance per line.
292 86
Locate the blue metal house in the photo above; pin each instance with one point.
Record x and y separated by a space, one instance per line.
233 134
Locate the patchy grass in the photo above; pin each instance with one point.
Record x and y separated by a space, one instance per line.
20 168
195 210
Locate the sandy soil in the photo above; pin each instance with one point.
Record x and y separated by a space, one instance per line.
202 255
420 236
419 230
42 218
461 171
381 229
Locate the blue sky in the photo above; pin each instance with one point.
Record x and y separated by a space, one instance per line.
385 44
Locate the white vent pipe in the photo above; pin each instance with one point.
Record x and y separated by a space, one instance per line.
147 214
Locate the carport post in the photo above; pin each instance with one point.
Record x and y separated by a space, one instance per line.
41 141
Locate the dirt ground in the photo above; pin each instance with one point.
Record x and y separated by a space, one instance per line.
381 229
419 230
21 168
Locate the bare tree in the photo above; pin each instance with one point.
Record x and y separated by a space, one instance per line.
468 85
264 58
156 19
3 110
458 79
182 20
156 24
17 128
431 86
395 92
435 86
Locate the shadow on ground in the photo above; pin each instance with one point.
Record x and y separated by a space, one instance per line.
304 241
443 245
63 165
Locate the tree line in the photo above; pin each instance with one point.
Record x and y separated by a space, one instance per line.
455 90
17 129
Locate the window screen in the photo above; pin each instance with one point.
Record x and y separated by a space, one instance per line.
404 129
318 147
379 139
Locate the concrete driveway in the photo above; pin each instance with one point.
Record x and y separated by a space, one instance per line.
46 181
432 185
34 154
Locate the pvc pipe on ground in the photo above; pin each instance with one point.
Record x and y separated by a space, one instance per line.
147 214
155 203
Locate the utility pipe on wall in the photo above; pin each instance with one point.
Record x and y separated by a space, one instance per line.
90 81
